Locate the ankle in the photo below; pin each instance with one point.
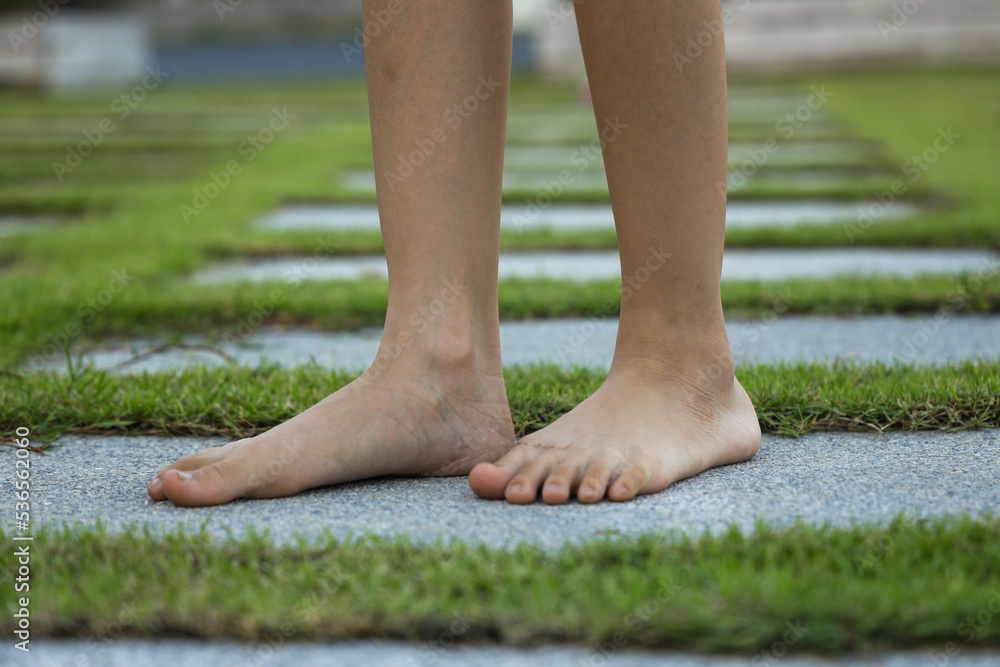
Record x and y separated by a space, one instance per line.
700 361
442 347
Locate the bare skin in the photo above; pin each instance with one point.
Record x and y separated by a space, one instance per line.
434 402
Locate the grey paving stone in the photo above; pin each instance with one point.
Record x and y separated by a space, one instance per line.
25 224
172 652
739 264
840 478
582 342
573 217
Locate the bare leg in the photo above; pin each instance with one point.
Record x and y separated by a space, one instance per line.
434 401
671 406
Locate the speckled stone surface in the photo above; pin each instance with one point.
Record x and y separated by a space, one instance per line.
822 477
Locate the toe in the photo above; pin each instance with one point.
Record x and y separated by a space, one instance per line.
595 482
631 482
155 489
561 483
213 484
523 488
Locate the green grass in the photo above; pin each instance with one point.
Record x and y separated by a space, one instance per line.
124 219
790 399
908 585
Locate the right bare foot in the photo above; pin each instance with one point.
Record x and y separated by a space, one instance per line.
433 410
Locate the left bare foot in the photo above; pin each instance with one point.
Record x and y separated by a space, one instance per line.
650 424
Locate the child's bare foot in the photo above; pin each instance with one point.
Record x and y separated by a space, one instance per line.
653 422
435 410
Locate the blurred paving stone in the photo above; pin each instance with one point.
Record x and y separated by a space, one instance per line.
172 652
738 264
575 217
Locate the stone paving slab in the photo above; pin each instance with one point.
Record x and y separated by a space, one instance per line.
574 217
819 180
738 264
173 652
835 477
583 342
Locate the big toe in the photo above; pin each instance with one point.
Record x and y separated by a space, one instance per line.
213 484
490 481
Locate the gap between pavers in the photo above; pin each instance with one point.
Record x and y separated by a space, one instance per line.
828 477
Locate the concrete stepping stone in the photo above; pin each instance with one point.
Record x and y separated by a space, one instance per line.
786 181
836 477
173 652
739 264
577 342
800 153
26 224
575 217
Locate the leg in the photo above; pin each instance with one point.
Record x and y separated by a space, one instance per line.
434 401
671 406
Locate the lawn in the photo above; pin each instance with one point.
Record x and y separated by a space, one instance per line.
158 200
130 220
911 584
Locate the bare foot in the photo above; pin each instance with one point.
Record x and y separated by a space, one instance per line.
650 424
424 414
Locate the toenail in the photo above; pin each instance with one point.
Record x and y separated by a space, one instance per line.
586 490
185 476
516 488
155 484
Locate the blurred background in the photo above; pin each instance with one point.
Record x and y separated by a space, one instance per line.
71 44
